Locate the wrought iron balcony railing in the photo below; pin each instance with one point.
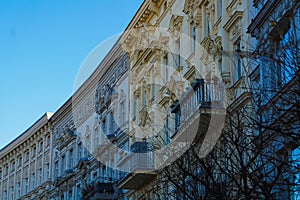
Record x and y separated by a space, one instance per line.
203 94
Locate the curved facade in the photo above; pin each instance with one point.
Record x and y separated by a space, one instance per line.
175 70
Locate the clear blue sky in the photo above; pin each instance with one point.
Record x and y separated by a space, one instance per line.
42 45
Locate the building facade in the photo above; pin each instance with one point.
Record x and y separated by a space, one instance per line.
276 91
205 76
185 69
25 167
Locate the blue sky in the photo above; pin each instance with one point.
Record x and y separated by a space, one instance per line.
42 45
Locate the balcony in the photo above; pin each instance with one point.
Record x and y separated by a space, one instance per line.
140 165
101 188
198 108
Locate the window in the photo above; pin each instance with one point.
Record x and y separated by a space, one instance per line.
48 140
27 156
97 136
104 125
220 8
144 96
47 172
6 169
12 191
71 159
13 164
41 145
34 151
32 181
122 113
207 25
79 151
166 66
177 120
5 195
78 191
40 176
167 130
25 185
70 195
238 61
63 164
178 52
0 174
135 107
114 124
18 190
56 169
20 161
165 5
94 175
194 38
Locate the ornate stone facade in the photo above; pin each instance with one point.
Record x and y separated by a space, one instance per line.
25 164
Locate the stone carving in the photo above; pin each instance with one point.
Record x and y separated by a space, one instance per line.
192 9
213 47
236 31
175 26
105 89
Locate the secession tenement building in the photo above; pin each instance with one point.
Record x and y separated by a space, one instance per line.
164 91
25 167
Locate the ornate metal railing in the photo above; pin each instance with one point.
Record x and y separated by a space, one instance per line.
202 94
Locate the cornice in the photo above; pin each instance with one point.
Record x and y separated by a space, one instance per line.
40 123
233 19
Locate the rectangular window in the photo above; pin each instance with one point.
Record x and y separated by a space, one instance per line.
48 140
153 86
27 156
177 120
78 191
178 53
238 61
144 96
18 190
220 8
71 159
34 151
70 195
25 186
104 128
167 131
194 38
12 191
207 25
5 195
56 169
41 145
135 107
47 172
13 164
40 176
122 114
94 176
63 165
166 67
32 181
79 151
20 161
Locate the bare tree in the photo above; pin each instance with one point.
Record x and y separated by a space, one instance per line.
258 153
